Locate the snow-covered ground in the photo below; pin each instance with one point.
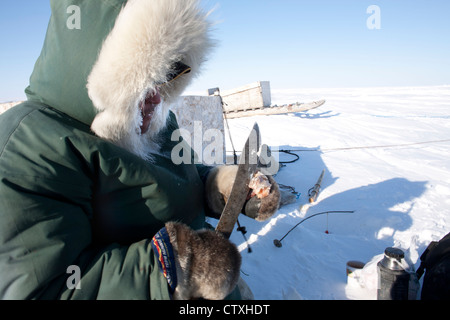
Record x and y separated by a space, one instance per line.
386 152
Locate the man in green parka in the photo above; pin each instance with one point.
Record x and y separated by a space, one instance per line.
91 204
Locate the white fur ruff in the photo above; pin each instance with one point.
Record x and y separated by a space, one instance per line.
149 36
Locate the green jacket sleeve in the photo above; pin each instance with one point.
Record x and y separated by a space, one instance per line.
40 247
113 273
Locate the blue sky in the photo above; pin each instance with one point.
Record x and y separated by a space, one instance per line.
291 43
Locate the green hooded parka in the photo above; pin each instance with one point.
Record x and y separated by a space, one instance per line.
71 198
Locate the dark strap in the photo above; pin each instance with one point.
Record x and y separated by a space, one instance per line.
436 251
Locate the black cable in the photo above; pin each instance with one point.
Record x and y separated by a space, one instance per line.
243 230
235 159
290 152
297 157
278 244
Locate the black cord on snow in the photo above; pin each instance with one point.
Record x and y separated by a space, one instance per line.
297 157
277 242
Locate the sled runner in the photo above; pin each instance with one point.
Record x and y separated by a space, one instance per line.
297 107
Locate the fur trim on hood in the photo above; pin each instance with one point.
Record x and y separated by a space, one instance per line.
148 38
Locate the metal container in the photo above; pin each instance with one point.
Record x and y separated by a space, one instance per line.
397 280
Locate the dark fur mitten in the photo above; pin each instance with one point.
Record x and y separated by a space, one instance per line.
263 209
207 264
218 188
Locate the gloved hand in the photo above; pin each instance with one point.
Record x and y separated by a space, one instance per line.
218 188
197 264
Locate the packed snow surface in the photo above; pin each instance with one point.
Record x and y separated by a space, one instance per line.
386 152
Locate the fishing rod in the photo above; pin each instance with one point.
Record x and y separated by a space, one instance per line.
278 243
